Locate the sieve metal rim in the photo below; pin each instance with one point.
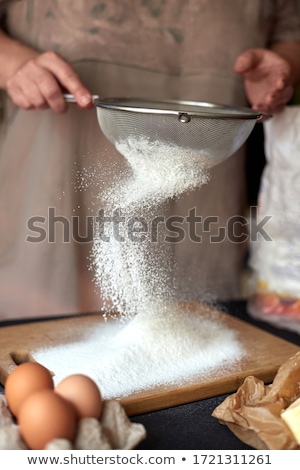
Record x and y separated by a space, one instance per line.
193 109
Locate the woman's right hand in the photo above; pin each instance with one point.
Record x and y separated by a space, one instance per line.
39 83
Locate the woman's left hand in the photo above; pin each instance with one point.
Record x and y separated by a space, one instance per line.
267 79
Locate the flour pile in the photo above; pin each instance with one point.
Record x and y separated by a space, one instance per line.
146 352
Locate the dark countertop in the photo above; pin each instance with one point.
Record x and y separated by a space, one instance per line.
190 426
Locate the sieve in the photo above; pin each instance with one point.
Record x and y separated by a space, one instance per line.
214 131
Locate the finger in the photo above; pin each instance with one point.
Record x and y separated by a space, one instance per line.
67 77
277 109
274 99
264 109
52 93
280 96
33 94
40 86
17 96
269 108
280 83
248 60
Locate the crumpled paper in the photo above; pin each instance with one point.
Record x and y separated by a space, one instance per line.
114 430
253 412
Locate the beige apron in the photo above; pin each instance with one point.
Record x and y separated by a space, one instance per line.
53 169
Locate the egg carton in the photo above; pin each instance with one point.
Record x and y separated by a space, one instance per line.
113 430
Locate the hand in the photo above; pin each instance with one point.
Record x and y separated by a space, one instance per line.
266 78
39 84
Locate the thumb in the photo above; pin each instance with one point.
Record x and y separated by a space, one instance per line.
247 60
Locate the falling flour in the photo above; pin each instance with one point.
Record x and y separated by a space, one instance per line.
135 269
160 172
156 342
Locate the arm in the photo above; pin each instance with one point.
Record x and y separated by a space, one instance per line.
270 76
12 56
35 80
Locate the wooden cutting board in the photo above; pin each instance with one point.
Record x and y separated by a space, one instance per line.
264 354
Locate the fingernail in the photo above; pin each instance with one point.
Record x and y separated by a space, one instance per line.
85 99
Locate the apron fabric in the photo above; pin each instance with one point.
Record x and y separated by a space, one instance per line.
55 167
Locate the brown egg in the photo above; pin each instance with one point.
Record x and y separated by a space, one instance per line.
45 416
83 393
24 380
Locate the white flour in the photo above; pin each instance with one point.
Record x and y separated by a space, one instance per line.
160 172
156 342
135 274
150 350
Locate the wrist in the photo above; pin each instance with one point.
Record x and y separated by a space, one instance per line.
13 55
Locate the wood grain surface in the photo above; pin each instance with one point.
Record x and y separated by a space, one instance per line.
264 354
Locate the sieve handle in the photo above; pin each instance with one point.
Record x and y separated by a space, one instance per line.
69 98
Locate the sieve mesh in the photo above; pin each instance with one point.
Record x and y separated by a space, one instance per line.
216 139
215 131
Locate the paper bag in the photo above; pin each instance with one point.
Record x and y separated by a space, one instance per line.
253 413
275 255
